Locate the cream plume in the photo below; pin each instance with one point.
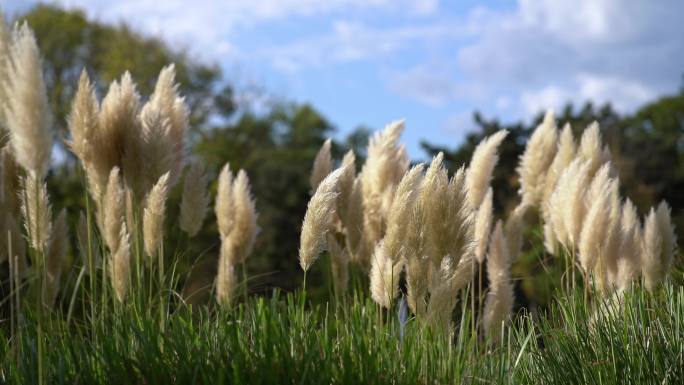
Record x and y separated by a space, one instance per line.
36 211
483 225
27 111
482 163
113 210
595 231
591 148
353 224
657 247
384 277
499 302
225 206
565 153
567 205
153 216
399 215
346 184
318 219
536 159
226 279
119 134
386 163
322 165
119 266
630 243
195 201
442 295
85 142
245 227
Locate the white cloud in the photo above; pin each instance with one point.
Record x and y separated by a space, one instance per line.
353 41
549 51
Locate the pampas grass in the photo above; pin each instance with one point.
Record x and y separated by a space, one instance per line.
385 165
630 243
536 159
322 165
499 302
318 219
195 201
402 207
384 277
113 210
657 246
339 259
27 110
153 216
482 163
36 212
245 229
119 266
483 225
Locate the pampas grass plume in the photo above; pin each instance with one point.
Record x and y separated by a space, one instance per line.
499 301
225 206
36 212
245 227
630 243
27 110
113 210
153 216
322 165
399 215
318 219
483 225
481 166
536 159
119 265
384 277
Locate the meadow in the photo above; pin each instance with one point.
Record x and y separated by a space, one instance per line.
421 288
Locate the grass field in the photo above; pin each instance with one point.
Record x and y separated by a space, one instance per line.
275 340
418 264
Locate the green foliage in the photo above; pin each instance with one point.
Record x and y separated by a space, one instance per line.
275 340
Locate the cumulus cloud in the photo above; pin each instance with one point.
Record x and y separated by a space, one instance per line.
550 52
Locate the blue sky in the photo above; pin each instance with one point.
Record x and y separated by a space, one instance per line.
431 62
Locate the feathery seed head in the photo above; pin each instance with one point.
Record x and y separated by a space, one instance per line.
384 277
36 212
499 302
630 243
322 165
318 219
120 265
591 148
565 153
483 224
245 227
402 206
481 166
536 160
153 215
225 206
27 110
346 183
113 210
